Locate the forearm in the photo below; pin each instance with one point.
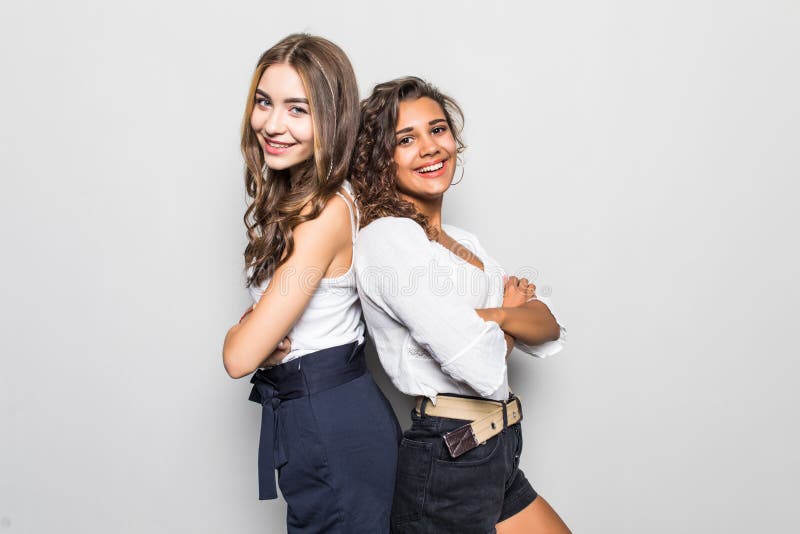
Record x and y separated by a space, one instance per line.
532 323
317 243
243 352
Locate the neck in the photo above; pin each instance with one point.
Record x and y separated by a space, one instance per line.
432 209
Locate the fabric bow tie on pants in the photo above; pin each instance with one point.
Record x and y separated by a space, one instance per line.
321 371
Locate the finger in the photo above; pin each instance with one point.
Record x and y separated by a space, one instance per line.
275 358
523 282
512 280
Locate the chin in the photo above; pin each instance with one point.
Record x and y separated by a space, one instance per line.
276 167
431 193
424 189
438 188
278 164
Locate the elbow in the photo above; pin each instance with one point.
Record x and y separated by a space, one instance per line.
554 332
235 371
546 323
233 362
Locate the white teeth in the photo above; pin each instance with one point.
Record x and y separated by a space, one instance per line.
431 168
277 145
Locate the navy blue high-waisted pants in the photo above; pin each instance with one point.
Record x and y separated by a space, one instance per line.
333 438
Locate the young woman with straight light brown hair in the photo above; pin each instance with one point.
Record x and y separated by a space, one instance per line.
444 317
326 428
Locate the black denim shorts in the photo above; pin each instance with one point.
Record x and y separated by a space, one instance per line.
436 493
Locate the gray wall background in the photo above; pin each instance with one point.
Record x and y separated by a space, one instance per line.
641 156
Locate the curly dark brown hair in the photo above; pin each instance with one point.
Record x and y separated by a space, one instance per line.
373 172
279 203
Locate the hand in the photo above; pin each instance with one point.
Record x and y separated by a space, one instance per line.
517 291
278 354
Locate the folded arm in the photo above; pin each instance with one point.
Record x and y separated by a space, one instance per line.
395 267
531 323
257 335
527 319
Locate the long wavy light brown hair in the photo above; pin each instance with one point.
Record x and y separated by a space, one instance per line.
280 203
374 172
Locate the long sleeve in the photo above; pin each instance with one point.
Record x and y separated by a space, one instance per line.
397 271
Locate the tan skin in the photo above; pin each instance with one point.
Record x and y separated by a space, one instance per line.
424 141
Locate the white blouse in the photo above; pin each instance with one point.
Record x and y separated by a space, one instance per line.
419 302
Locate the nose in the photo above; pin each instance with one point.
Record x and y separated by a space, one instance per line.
428 146
273 123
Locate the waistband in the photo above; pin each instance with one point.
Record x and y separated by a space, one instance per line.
312 373
487 418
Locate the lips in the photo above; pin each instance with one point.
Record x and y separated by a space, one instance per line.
432 170
276 148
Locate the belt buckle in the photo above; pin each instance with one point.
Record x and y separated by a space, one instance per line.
460 440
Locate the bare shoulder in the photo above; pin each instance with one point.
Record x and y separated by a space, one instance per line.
333 222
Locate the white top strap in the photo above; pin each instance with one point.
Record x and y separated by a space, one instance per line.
351 205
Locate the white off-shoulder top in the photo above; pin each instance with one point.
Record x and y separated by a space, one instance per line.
419 302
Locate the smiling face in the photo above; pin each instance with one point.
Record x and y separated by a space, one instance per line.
425 150
281 118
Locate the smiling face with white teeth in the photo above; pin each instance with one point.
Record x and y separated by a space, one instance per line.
281 118
425 150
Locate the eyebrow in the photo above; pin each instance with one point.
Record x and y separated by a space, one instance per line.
411 128
288 100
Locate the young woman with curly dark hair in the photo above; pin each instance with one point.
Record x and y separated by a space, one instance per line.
444 318
325 427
